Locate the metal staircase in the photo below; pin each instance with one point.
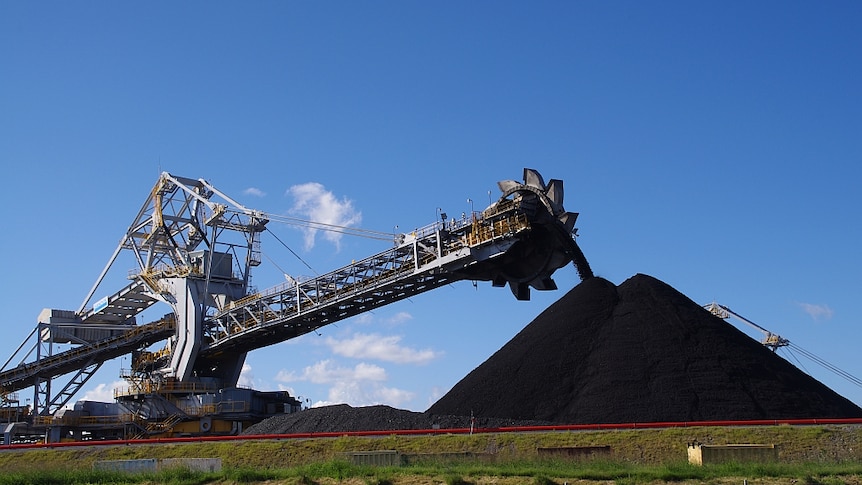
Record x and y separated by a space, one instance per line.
157 427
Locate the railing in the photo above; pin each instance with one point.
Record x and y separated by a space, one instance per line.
344 287
167 387
165 270
77 420
233 407
504 227
199 410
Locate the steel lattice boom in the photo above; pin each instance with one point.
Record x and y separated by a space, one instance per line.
423 261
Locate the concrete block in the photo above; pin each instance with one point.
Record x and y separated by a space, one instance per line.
129 466
376 458
575 452
151 465
699 454
193 464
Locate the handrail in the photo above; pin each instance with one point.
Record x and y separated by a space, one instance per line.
294 298
166 387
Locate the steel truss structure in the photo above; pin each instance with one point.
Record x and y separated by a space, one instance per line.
195 248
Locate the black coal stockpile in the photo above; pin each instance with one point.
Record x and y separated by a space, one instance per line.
341 417
639 352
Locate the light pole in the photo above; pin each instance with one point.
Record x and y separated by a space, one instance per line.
442 216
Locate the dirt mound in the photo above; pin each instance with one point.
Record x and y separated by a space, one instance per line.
640 352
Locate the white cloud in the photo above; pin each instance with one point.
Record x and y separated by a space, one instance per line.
328 371
246 377
286 376
393 397
817 312
363 394
290 390
399 318
254 191
436 394
361 385
313 202
364 318
104 392
368 318
379 347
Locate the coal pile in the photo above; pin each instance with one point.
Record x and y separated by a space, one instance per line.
639 352
344 418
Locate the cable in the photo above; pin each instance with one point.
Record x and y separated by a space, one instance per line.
323 226
846 375
274 263
291 252
798 362
827 365
355 231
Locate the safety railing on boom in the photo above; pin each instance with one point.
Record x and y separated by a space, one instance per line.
91 421
166 387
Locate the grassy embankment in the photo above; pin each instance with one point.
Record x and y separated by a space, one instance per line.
806 455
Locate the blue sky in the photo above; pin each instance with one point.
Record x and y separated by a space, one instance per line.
714 145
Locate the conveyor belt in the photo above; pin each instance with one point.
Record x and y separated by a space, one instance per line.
25 375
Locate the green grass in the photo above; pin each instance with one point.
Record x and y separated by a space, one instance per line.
456 474
817 455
